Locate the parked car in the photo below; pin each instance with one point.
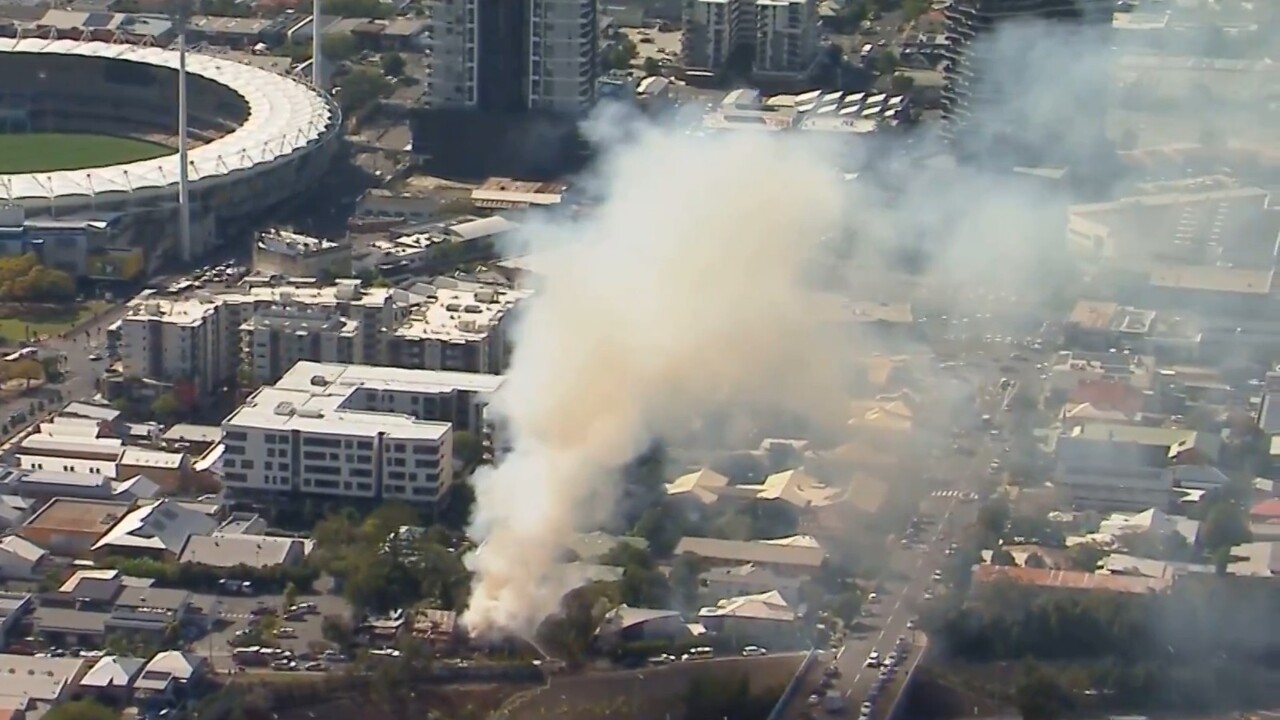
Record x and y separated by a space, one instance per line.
754 651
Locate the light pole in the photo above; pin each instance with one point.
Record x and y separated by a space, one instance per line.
181 12
317 74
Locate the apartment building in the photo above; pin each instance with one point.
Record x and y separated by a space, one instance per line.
781 35
508 56
282 442
261 332
997 111
296 255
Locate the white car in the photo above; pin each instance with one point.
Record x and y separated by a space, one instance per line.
286 632
754 651
867 708
873 660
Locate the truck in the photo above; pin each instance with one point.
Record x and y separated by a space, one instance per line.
833 702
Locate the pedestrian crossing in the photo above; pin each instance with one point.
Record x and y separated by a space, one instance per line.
947 493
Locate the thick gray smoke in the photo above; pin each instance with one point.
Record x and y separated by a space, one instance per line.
681 291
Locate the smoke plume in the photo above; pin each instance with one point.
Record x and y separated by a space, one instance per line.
684 289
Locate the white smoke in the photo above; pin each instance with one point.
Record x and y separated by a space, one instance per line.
682 290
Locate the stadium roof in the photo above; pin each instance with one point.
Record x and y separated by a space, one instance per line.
285 116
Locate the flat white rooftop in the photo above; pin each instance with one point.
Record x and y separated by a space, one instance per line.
285 410
339 379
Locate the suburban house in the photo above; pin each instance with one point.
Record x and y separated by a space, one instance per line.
170 675
159 531
21 559
1067 580
763 619
797 555
626 624
792 487
111 679
749 579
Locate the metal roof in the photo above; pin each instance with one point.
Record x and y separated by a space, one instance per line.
285 116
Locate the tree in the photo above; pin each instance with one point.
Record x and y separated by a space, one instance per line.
362 87
290 595
886 63
1003 558
1085 556
685 571
1226 526
468 447
27 369
392 63
1035 560
82 710
165 408
651 66
337 630
902 83
1038 696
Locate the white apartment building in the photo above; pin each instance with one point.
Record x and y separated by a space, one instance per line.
173 341
786 36
462 326
261 332
284 441
503 55
782 34
564 40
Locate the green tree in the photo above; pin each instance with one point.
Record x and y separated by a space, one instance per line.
290 595
165 408
1038 695
1003 557
1085 556
393 64
82 710
362 87
337 630
685 583
886 62
1226 526
651 66
468 447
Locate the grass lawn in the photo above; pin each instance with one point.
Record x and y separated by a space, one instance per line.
15 320
47 152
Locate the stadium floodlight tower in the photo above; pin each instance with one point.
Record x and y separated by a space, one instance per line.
317 56
181 13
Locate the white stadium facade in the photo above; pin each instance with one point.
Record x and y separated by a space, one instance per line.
258 138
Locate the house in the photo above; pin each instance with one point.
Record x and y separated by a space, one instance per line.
70 527
794 556
14 608
438 627
625 624
14 511
1067 580
762 619
749 579
44 681
232 550
138 488
147 613
21 559
170 675
110 680
159 530
792 487
701 487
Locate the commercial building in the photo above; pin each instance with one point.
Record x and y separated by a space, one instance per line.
788 556
261 332
781 36
70 527
465 239
998 112
42 681
509 56
1126 467
297 255
378 433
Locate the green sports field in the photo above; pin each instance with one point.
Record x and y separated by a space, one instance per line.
46 152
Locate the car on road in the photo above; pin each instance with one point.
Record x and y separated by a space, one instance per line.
911 624
285 632
285 665
831 670
867 707
754 651
663 659
937 576
815 700
873 660
315 666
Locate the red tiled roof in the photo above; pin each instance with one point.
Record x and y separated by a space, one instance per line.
1070 579
1109 396
1268 509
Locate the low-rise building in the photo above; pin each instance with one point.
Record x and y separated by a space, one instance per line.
14 608
111 679
762 619
21 559
228 551
70 527
44 681
1048 579
296 255
750 579
159 530
626 624
1126 467
798 555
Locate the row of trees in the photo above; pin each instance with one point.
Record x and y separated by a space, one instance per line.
24 279
205 578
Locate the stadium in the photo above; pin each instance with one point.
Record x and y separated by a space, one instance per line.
90 130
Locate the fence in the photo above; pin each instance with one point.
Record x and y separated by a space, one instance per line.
794 685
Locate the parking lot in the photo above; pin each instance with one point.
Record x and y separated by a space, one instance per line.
233 613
